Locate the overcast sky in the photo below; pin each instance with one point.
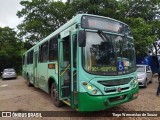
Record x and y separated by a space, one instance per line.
8 10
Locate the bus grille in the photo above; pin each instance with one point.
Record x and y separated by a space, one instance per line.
116 82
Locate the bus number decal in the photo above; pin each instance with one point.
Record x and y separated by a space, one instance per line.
104 69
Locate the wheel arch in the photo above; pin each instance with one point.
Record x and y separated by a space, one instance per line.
50 81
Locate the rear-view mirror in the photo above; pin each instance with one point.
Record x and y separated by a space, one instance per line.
82 38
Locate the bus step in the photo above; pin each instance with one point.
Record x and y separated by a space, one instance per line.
65 98
64 86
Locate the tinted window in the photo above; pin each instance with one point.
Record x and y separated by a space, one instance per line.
53 49
74 50
31 57
28 56
40 54
43 52
148 68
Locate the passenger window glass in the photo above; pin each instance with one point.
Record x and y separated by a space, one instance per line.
74 50
43 52
31 57
28 56
147 68
40 54
53 49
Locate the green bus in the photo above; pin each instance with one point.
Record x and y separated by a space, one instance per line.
88 64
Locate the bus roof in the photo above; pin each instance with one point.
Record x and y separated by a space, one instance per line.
76 19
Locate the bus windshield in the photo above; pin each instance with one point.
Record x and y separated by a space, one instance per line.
107 54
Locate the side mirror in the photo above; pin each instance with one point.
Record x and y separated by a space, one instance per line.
82 38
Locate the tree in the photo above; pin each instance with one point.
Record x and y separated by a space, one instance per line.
145 9
143 36
11 49
41 18
140 16
98 7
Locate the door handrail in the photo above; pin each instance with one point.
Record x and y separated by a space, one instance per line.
65 70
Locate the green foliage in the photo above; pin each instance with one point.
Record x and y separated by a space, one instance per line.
140 16
99 7
42 17
10 49
143 35
145 9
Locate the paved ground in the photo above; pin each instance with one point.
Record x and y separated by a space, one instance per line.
16 96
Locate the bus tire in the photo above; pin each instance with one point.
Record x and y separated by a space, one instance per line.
54 96
28 82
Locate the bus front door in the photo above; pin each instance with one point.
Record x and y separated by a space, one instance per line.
67 70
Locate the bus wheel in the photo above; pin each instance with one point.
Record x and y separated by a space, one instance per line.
28 82
54 96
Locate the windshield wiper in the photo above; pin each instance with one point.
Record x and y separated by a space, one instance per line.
103 36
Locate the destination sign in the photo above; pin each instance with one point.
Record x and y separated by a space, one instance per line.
103 69
91 22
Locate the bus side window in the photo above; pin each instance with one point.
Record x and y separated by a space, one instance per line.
43 52
31 57
74 37
53 49
28 57
40 54
66 49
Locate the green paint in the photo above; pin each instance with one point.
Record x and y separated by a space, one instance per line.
96 103
85 100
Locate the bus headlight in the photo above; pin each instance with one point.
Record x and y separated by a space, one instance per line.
91 89
94 91
135 82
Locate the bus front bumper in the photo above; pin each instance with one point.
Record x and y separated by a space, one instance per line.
95 103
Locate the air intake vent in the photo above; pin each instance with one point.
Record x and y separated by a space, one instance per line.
116 82
117 98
